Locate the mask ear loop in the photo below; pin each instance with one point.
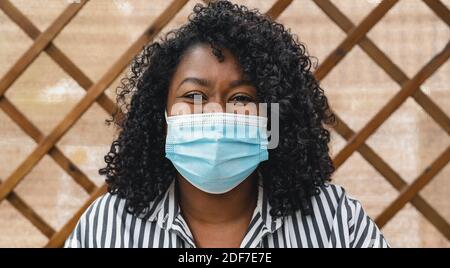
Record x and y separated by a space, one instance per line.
165 114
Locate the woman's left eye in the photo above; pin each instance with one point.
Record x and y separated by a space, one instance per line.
242 98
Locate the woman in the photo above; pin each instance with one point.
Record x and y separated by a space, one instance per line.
176 180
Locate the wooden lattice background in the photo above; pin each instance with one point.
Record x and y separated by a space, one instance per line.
383 64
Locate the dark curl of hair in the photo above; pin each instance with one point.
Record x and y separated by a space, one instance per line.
278 66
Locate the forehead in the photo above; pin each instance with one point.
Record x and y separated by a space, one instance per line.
199 61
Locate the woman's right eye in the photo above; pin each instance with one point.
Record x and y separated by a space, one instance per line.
194 95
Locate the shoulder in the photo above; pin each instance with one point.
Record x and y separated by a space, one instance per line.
344 221
96 218
331 196
106 204
334 201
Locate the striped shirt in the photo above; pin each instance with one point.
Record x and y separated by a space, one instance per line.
337 221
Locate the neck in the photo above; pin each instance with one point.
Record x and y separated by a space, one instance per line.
229 207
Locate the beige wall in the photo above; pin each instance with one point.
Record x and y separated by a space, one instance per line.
410 34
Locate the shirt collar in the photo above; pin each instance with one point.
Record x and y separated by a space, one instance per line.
165 211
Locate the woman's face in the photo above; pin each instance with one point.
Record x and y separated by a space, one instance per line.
217 86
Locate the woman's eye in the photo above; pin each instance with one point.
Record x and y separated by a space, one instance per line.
194 95
242 99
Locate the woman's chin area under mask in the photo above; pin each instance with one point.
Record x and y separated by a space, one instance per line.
218 220
217 207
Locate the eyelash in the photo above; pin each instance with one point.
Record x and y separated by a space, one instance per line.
191 95
245 99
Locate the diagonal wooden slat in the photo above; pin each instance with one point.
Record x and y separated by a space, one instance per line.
91 95
439 9
19 204
408 193
277 8
394 179
407 90
29 128
396 74
382 60
353 38
58 239
439 116
40 44
56 54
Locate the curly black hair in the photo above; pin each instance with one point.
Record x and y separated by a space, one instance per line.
277 65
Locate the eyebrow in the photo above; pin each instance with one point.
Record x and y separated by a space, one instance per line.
208 83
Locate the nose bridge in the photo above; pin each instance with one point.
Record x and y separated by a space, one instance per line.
216 102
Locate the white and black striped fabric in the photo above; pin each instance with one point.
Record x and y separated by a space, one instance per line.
337 221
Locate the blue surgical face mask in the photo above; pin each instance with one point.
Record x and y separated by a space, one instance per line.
215 152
